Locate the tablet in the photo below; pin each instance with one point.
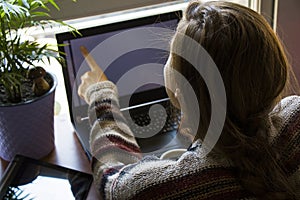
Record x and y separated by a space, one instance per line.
27 178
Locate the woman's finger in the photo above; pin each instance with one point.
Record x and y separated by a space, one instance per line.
89 59
92 63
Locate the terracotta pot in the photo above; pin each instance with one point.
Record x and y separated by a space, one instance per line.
28 128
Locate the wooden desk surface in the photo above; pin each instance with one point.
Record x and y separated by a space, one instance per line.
68 151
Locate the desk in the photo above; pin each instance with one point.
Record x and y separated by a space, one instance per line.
68 151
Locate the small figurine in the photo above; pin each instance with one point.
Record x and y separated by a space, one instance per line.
40 85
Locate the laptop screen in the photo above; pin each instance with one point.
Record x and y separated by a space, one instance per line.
131 53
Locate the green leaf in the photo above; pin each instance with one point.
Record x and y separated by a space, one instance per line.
26 4
13 10
54 4
40 14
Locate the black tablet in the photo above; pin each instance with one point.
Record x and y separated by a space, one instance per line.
27 178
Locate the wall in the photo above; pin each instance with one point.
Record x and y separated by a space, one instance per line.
84 8
288 28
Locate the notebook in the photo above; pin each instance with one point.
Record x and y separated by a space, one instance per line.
132 54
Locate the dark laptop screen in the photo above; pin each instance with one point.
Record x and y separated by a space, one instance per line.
118 61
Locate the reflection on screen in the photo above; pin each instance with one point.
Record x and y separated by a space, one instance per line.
44 187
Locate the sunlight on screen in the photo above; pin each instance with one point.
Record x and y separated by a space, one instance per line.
45 188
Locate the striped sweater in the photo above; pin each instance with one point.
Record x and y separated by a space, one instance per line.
121 172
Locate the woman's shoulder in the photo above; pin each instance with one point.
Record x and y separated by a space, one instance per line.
288 107
287 140
286 113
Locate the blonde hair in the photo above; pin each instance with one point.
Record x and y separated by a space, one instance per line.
255 71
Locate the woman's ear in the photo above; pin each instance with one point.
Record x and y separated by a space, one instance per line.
176 99
171 85
177 92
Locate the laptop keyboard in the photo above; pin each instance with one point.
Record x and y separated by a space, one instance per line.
144 126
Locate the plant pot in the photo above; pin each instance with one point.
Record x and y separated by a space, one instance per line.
28 128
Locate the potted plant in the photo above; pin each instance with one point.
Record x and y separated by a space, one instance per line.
26 90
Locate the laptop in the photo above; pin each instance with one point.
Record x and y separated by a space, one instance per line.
132 54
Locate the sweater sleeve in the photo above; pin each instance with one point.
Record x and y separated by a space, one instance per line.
112 143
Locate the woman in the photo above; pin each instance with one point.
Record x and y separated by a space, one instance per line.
257 155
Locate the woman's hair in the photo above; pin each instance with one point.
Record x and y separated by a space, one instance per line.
255 72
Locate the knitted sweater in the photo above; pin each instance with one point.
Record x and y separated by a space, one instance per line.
120 171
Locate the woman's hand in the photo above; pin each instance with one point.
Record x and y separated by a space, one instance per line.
90 77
